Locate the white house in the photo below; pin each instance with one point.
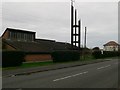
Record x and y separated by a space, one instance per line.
111 46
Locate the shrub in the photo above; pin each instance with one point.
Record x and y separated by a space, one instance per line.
110 53
63 56
97 54
12 58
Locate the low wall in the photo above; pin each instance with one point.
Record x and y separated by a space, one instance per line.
37 57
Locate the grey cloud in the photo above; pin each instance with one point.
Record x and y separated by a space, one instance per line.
51 20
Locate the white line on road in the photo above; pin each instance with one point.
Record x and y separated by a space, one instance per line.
104 67
107 66
100 67
70 76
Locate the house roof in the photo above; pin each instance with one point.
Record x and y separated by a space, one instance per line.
41 46
38 45
111 43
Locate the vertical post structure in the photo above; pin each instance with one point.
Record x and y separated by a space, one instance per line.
75 29
85 37
75 32
72 18
79 34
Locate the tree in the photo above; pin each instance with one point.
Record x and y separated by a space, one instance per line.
96 52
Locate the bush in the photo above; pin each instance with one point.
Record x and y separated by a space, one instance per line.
97 54
12 58
63 56
105 54
110 54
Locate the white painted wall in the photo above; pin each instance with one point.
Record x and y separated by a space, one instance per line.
110 48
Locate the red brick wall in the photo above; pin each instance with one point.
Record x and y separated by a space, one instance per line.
38 57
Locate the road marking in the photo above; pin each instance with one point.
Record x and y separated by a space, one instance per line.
100 67
70 76
107 66
12 75
104 67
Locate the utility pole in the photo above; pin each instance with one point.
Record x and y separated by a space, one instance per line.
85 37
84 50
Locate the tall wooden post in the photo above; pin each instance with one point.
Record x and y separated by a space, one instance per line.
72 15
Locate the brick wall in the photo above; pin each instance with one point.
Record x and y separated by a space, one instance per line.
38 57
6 35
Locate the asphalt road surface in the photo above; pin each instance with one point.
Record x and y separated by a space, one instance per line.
97 75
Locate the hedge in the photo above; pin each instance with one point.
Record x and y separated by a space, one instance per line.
110 54
64 56
98 54
12 58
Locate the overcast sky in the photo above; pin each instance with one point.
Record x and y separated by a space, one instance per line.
51 20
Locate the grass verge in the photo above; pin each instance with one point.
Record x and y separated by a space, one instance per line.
29 65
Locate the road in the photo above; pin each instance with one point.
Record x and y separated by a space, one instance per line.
97 75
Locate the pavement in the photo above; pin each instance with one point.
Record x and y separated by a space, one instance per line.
25 71
95 75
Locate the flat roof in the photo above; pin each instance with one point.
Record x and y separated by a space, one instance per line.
19 30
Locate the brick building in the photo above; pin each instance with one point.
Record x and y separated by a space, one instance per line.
18 35
35 49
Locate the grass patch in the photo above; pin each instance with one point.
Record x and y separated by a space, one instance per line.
31 64
34 64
